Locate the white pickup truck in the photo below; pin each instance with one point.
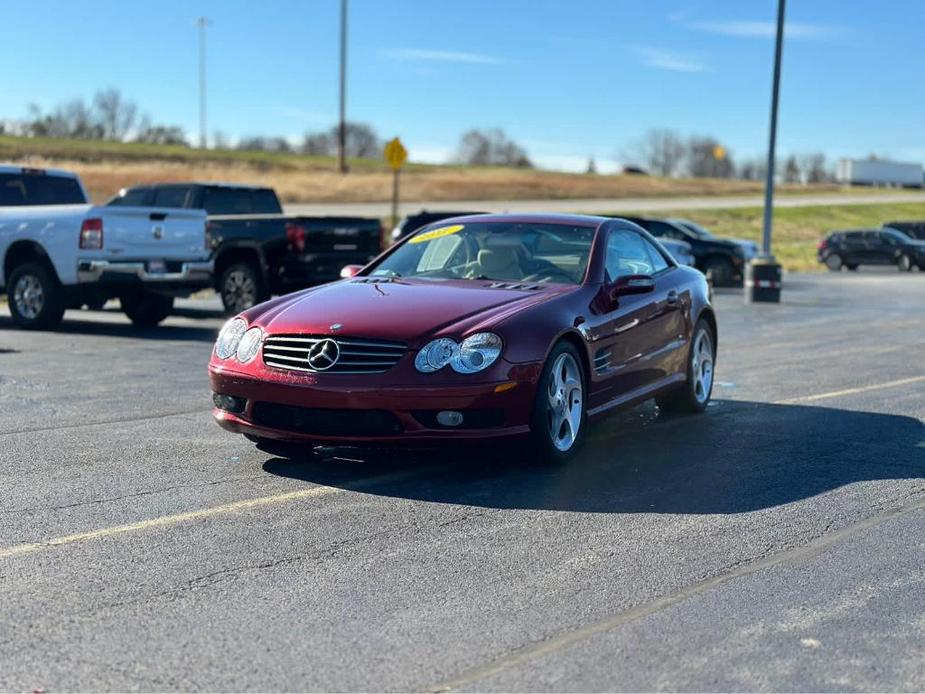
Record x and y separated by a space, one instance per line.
59 252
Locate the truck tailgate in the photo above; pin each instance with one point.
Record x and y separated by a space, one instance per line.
341 234
147 232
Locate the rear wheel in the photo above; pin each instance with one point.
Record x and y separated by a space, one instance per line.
904 263
36 298
834 262
146 309
558 423
241 288
719 271
695 394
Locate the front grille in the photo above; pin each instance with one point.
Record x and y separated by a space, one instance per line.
354 355
324 422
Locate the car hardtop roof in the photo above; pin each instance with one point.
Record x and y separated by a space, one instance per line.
37 170
204 184
535 218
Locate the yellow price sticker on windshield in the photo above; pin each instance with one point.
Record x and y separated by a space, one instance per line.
436 233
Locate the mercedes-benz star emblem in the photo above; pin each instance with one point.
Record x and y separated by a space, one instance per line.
323 355
335 327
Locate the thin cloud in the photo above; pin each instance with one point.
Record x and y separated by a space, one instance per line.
666 60
766 30
426 55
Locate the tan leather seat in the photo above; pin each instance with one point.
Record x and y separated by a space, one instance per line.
500 263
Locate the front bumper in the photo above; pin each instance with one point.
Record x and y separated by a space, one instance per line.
186 273
409 406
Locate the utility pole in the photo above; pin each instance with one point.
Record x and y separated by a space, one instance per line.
763 274
342 128
202 23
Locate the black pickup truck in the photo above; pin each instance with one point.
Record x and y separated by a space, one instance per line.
259 251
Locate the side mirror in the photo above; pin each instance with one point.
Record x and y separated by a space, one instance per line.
632 284
349 271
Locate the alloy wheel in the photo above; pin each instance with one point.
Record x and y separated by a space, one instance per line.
29 296
702 366
239 290
565 399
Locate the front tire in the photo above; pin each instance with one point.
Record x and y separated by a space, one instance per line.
36 298
558 423
719 271
904 263
146 309
695 394
241 288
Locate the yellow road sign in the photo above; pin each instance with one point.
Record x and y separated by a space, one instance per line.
719 152
395 153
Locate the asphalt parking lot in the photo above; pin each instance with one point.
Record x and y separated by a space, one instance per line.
775 542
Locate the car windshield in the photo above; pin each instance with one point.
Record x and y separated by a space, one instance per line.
897 234
695 229
502 251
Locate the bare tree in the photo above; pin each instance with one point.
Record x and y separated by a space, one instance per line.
362 142
814 168
491 148
260 143
706 157
116 115
791 170
660 151
592 167
220 140
162 135
753 169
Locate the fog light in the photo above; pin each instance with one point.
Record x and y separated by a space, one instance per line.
229 403
450 418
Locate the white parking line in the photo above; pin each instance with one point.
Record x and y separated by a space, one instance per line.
852 391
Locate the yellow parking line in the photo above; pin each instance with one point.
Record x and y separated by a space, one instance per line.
852 391
175 519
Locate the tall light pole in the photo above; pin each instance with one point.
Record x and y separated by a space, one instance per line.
342 127
772 139
763 274
202 23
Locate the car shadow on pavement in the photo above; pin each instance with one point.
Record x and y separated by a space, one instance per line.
81 326
738 457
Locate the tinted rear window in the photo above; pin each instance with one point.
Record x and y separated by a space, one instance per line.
240 201
133 197
173 196
17 190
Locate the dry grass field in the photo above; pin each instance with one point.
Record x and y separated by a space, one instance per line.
107 167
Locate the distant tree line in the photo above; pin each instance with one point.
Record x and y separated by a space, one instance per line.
664 152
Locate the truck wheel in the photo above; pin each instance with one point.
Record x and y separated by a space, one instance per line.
36 297
719 271
904 263
241 288
146 309
833 262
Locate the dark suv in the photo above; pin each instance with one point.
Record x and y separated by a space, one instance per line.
871 247
721 260
914 229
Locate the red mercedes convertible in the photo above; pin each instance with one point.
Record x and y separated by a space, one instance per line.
474 328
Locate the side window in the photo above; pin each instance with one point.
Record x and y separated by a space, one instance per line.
658 260
173 196
627 255
227 201
666 231
134 197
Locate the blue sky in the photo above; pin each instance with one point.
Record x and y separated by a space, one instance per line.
565 79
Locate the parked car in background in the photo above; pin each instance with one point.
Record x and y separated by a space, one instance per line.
914 229
61 252
853 248
749 247
412 222
486 327
721 260
680 250
257 250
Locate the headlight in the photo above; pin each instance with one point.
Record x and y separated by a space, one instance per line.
249 345
229 337
435 355
476 352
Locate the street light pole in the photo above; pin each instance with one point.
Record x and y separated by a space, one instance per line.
342 128
763 274
202 22
772 140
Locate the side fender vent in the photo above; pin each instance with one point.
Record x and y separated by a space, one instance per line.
602 361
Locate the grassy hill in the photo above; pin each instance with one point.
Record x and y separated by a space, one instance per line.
106 167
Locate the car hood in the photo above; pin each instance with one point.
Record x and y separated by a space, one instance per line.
411 311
